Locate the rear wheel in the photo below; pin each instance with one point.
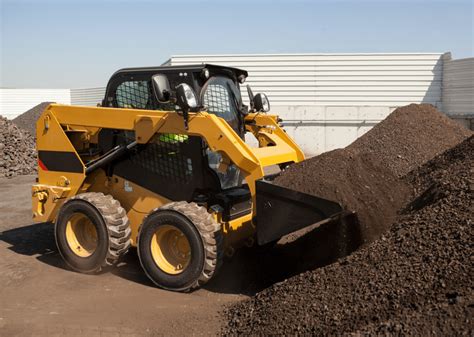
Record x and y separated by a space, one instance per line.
180 246
92 231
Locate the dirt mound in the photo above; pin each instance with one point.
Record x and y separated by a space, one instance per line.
364 177
17 150
27 120
409 137
414 280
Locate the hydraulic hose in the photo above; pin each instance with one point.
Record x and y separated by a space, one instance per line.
109 157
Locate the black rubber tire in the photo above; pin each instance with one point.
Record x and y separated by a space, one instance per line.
112 226
205 239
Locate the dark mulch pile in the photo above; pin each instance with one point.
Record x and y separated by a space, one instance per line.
414 280
409 137
364 177
27 120
17 150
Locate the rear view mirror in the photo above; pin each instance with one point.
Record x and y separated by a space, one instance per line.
161 88
261 103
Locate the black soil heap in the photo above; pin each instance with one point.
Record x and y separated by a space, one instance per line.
414 280
364 177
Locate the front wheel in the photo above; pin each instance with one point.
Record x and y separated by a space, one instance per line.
180 246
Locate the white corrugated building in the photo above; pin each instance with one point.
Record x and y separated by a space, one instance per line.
328 100
87 96
14 102
458 90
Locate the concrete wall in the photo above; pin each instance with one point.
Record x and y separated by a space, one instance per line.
323 128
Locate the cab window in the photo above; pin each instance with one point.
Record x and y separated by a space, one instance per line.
221 98
133 94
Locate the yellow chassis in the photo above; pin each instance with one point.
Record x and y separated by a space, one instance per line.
54 187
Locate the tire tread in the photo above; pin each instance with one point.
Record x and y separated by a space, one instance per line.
116 221
211 235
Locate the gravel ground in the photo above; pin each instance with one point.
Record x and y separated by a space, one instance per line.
415 280
17 150
18 143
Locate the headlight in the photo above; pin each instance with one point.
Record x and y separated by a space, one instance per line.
186 97
205 73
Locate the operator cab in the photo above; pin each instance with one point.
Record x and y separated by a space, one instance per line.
181 167
216 88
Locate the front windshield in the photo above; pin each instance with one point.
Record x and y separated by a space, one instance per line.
221 97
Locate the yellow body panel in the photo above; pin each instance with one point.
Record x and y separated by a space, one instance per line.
53 188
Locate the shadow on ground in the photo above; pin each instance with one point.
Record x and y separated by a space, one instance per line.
33 240
254 269
38 240
249 271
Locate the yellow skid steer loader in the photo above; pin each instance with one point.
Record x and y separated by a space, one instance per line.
162 165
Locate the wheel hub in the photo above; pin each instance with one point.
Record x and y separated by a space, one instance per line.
81 235
170 249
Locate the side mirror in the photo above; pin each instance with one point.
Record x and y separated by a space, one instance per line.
161 88
186 98
261 103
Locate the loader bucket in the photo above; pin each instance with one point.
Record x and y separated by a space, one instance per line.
281 211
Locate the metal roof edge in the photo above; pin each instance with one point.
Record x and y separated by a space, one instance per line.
308 54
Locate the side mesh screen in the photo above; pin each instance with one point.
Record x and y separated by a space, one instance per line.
139 95
164 156
133 94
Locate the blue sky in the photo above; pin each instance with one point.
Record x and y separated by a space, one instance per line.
64 44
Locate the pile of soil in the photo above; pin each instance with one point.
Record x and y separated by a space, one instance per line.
409 137
17 150
364 177
27 120
414 280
